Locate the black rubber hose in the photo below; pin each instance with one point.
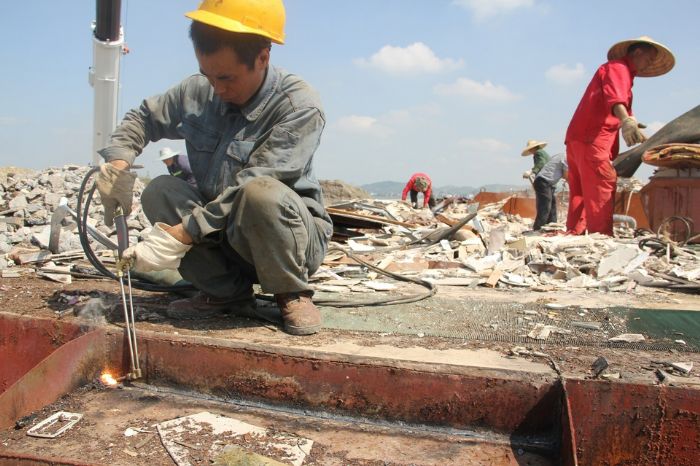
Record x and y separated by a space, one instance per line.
83 211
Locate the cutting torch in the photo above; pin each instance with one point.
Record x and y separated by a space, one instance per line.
128 304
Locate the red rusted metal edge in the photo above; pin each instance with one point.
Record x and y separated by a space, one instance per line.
567 451
355 386
70 366
20 459
624 423
25 341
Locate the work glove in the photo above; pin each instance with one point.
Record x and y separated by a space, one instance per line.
630 131
527 174
116 189
158 251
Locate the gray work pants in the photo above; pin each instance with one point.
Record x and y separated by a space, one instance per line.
271 237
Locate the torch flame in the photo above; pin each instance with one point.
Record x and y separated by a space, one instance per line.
107 379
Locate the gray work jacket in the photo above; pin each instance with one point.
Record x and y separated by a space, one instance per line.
554 170
276 135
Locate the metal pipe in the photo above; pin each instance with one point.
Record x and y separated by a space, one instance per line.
108 45
631 221
107 17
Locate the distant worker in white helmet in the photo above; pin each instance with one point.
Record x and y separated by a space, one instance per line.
177 165
250 131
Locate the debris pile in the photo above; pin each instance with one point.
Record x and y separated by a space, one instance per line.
497 250
29 202
458 243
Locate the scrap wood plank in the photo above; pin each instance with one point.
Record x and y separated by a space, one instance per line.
496 275
354 215
40 256
451 222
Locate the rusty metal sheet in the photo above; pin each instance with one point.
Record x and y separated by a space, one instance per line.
68 367
567 447
25 341
356 387
666 197
526 207
622 423
630 203
488 197
19 459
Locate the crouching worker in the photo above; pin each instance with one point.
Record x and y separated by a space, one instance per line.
251 131
419 183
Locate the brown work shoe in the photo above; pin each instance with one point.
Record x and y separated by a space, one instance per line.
203 306
300 315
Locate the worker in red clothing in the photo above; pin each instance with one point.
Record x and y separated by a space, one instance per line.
419 183
592 140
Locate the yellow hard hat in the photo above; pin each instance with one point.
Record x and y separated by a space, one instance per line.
261 17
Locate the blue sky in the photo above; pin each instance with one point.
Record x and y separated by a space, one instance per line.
453 88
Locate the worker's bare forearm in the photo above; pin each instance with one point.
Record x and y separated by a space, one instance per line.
620 111
179 233
120 164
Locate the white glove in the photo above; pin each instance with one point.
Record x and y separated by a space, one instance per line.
630 131
527 174
159 251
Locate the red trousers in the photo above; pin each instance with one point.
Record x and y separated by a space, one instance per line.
592 184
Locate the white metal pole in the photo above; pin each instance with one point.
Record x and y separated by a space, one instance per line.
104 78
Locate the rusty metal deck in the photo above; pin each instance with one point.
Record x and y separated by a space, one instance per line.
506 411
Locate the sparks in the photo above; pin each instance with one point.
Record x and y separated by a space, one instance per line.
107 379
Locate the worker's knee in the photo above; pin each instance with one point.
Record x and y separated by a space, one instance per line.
155 193
166 197
263 192
157 189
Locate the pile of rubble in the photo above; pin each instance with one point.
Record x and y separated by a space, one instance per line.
492 249
498 250
29 200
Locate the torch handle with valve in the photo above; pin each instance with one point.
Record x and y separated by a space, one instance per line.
122 228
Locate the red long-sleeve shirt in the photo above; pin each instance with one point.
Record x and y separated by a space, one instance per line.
594 120
412 181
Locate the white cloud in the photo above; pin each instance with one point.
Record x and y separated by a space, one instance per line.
361 124
472 89
483 145
7 121
416 58
564 74
484 9
653 127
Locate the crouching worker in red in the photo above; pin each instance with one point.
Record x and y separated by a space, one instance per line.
419 183
592 141
251 130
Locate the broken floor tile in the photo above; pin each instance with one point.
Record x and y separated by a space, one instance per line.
684 367
628 337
